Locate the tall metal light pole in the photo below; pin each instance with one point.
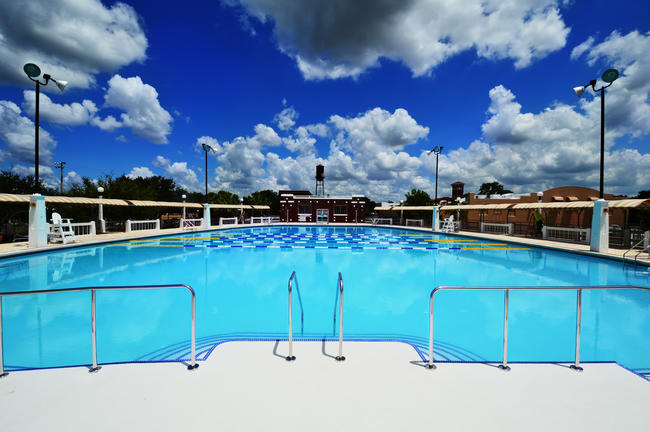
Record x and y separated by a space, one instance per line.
436 150
60 165
609 76
207 149
33 72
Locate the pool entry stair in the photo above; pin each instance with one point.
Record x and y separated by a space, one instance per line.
504 363
95 367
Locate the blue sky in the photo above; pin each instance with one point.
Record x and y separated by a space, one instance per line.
364 87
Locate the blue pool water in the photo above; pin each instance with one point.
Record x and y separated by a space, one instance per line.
240 278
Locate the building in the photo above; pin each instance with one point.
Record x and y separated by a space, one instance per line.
302 206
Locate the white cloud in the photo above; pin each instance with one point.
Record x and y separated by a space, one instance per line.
141 171
286 118
332 39
74 114
108 124
143 115
183 176
71 40
17 131
71 178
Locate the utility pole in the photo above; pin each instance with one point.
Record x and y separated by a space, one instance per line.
60 165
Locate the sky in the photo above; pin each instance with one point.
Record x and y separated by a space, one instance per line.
366 88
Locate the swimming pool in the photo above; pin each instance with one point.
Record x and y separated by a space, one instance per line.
240 278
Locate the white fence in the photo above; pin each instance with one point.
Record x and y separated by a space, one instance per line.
382 221
191 223
142 225
496 228
261 219
414 222
80 229
576 235
228 221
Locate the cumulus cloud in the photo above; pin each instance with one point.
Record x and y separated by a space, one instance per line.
286 118
71 40
108 124
143 112
71 178
74 114
17 131
184 176
141 171
332 39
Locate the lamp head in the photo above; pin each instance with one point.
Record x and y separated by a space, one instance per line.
32 70
436 150
610 75
207 148
183 196
60 84
100 189
579 90
540 194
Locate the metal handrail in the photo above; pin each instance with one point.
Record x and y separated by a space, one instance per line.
504 364
293 277
339 283
95 367
633 247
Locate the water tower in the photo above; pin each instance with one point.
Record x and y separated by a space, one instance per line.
457 189
320 180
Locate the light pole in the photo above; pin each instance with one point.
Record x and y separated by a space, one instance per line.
184 197
609 76
436 150
102 224
60 165
33 72
207 149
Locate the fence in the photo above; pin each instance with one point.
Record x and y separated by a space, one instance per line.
496 228
575 235
414 222
142 225
381 221
261 219
228 221
191 223
80 229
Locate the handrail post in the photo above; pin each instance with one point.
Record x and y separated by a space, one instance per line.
2 364
504 364
290 357
193 364
431 365
94 367
340 357
576 365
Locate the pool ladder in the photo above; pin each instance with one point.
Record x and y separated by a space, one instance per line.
95 367
339 293
504 363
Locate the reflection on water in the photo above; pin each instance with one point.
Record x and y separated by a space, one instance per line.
242 293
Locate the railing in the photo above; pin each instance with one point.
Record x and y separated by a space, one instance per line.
504 363
339 293
382 221
577 235
497 228
191 223
414 222
95 367
646 247
292 278
261 219
228 221
80 229
142 225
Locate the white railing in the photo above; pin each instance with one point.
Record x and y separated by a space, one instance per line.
576 235
261 219
142 225
275 219
191 223
80 229
414 222
496 228
228 221
381 221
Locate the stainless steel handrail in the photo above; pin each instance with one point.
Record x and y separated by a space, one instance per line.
293 277
95 367
634 248
339 283
504 364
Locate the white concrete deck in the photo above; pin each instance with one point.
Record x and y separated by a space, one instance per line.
248 386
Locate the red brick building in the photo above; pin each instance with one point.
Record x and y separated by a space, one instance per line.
302 206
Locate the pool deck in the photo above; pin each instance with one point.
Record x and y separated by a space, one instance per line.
249 386
18 248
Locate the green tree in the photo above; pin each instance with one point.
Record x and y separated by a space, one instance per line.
16 184
265 197
223 197
494 188
644 194
417 197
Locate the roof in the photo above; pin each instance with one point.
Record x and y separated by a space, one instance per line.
14 198
397 207
476 207
626 203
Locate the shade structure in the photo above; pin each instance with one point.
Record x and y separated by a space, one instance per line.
404 208
477 207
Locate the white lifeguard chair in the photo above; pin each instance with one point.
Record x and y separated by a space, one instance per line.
61 230
448 224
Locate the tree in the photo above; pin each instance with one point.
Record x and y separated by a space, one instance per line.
265 197
417 197
15 184
494 188
644 194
